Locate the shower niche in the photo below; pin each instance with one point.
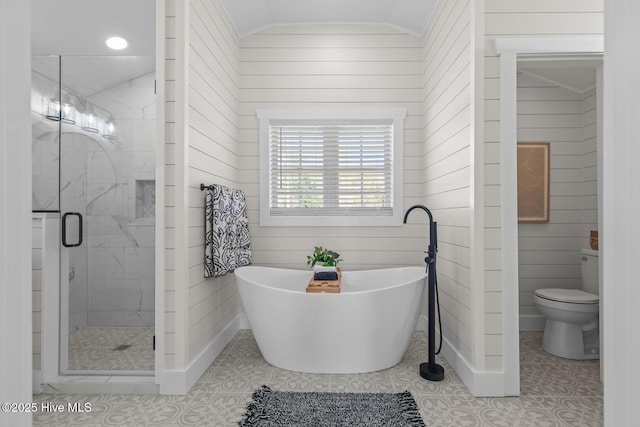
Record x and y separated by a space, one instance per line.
144 193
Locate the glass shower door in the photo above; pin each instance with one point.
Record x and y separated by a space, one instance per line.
45 130
107 206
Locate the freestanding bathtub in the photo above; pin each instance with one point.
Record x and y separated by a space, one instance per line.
366 327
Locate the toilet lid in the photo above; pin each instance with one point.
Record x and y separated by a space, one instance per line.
568 295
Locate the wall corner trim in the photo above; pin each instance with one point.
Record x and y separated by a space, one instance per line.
181 381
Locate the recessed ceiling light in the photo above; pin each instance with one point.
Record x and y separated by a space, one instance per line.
116 43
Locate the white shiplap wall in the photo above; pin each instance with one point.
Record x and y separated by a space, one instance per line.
543 17
201 86
548 252
332 66
517 18
446 159
212 158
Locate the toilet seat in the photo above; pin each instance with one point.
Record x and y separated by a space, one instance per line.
573 296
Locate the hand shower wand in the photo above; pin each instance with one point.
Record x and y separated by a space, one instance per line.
431 370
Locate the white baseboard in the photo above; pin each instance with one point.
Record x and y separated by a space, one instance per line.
479 383
532 322
181 381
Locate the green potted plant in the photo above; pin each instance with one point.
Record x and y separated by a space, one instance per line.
323 257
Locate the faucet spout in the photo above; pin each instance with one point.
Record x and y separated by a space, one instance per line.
433 239
424 208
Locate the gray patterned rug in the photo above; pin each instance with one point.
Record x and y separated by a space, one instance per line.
283 408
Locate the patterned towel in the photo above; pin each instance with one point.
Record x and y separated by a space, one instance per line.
227 243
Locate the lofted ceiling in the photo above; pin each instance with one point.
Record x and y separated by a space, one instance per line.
249 16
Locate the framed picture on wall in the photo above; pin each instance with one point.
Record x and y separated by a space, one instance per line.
533 182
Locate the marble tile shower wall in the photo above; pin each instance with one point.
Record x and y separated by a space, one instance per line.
112 185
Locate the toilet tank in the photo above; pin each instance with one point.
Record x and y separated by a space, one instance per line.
589 264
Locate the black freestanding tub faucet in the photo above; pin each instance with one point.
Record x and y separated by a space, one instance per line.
431 370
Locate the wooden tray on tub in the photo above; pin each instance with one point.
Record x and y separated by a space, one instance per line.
328 286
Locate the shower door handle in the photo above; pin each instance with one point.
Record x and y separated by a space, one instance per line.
65 218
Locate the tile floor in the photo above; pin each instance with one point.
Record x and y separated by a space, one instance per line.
555 392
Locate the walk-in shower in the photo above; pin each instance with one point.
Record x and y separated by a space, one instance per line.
93 169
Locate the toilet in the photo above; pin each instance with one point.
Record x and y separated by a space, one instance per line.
571 330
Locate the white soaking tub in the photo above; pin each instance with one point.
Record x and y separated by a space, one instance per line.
366 327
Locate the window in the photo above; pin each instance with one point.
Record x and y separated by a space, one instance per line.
330 169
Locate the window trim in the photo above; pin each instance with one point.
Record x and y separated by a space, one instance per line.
397 116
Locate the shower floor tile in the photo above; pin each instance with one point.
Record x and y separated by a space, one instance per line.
554 392
104 348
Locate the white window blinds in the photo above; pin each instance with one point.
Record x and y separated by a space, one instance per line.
331 168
